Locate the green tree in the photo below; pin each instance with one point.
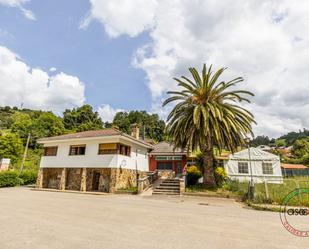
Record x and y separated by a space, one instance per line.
150 124
206 115
21 126
11 146
280 143
47 125
300 148
291 137
82 119
260 140
122 122
6 117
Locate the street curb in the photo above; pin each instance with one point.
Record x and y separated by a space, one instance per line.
263 207
200 194
69 191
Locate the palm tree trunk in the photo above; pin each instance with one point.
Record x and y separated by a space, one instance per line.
208 163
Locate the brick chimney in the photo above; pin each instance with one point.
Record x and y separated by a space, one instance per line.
135 131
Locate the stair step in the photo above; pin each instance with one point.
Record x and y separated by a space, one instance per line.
167 187
166 193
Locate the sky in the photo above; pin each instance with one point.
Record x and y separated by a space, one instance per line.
122 54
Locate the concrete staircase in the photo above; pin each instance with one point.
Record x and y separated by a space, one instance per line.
167 187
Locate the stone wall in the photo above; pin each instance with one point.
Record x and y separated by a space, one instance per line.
166 174
73 179
122 178
105 179
52 178
110 179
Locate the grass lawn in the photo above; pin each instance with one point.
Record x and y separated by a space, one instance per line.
276 192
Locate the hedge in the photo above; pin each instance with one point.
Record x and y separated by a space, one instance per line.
10 178
28 177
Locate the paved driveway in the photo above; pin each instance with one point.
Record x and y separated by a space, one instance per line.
38 220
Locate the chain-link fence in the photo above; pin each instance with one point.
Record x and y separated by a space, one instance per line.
272 193
275 193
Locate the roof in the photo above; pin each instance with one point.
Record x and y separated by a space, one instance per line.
166 148
149 140
293 166
264 147
92 134
255 154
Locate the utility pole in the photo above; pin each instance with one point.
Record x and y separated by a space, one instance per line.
25 155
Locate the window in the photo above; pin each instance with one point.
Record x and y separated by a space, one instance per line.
165 166
243 168
50 151
267 168
109 148
77 150
114 148
125 150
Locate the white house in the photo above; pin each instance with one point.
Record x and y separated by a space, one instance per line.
265 166
102 160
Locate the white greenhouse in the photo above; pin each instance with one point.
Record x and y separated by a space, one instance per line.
265 166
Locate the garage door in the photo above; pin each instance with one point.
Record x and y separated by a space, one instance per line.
165 165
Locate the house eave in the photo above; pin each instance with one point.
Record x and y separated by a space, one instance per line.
116 137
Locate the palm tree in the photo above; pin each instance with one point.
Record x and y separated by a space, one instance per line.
206 115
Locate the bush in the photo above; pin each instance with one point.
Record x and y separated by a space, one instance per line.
193 174
9 179
28 177
220 176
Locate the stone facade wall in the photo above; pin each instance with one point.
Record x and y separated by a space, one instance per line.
105 178
52 178
122 178
73 179
39 180
166 174
89 179
110 179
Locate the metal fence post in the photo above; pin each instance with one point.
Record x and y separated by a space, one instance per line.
266 189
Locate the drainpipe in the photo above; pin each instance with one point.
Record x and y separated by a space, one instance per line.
136 169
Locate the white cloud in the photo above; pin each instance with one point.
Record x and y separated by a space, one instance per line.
265 41
20 5
52 69
34 88
121 16
107 112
